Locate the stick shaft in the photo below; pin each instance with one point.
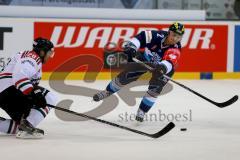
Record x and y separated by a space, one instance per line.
100 120
220 105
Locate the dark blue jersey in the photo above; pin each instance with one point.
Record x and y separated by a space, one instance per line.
152 41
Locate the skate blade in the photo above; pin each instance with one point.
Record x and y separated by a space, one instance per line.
25 135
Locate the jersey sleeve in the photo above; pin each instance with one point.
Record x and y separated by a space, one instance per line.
143 38
171 57
22 73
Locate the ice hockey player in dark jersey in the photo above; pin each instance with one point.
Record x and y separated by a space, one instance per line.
20 95
161 51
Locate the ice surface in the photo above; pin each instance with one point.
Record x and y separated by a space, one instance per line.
212 133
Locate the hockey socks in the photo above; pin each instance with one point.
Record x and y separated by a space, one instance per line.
145 105
147 102
8 126
113 86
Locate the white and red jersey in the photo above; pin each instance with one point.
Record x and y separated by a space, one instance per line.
23 71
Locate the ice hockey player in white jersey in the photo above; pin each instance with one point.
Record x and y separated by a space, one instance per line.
21 97
161 51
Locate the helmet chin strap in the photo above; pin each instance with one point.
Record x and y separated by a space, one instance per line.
42 57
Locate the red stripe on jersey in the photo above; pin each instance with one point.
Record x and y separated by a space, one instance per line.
20 81
5 74
46 109
28 90
38 60
15 128
24 53
33 55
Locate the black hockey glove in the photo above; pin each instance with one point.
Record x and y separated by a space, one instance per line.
130 49
160 69
37 98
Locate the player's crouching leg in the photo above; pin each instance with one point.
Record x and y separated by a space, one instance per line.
27 128
8 126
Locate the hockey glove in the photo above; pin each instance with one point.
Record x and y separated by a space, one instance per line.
160 70
38 99
130 49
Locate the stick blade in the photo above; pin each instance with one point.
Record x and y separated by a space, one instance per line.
228 103
164 131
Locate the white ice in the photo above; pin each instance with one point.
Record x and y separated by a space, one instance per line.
212 133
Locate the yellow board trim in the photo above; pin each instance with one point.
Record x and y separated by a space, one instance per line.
108 75
226 75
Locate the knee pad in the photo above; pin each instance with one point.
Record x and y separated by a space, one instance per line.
156 85
155 90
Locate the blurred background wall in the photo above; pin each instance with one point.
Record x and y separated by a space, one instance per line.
78 28
215 9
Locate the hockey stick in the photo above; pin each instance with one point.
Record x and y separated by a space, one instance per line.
162 132
220 105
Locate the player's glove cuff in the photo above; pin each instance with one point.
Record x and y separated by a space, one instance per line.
130 49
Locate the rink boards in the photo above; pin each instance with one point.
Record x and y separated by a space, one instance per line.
210 49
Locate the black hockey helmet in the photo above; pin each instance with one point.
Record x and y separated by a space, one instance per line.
177 28
42 44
